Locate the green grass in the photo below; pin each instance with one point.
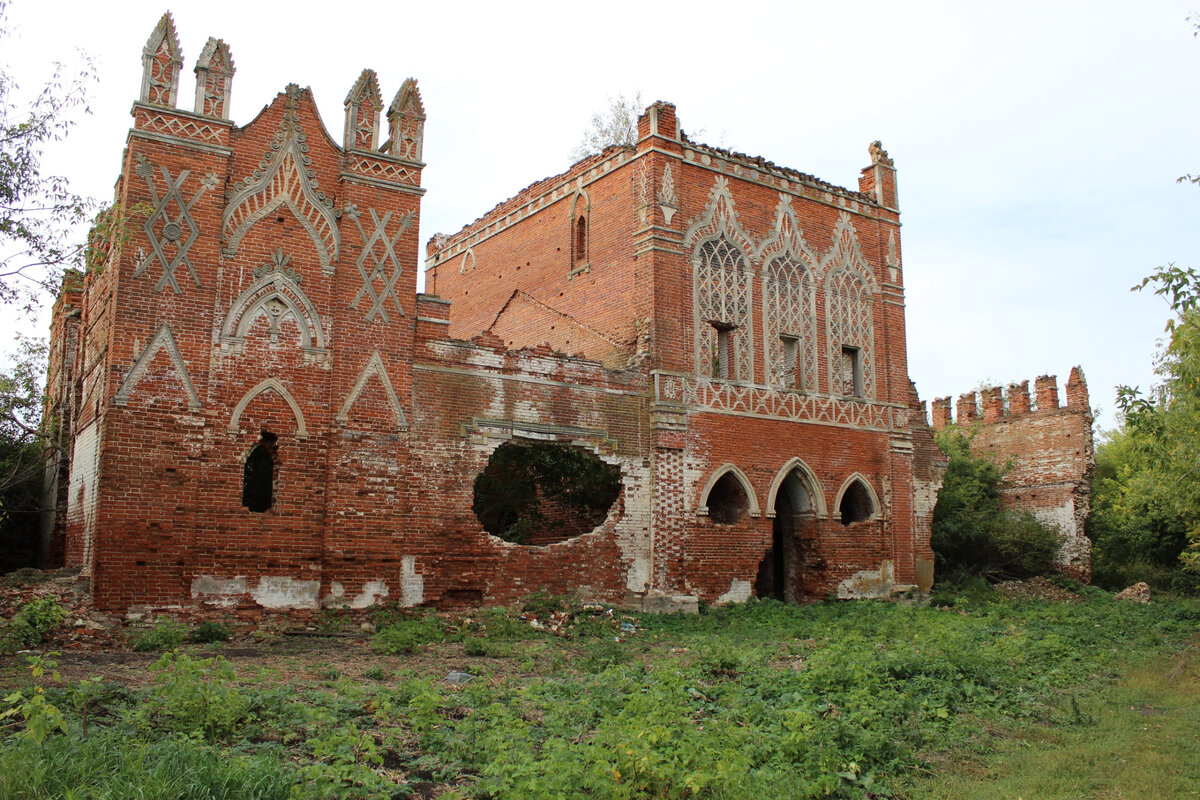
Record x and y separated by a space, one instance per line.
992 697
1139 738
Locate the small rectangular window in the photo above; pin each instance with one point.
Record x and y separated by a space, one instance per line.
852 382
721 353
789 372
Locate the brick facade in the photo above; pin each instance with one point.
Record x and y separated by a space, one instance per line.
1047 448
728 333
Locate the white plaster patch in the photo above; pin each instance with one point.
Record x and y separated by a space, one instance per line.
638 576
869 583
412 585
215 591
283 592
739 592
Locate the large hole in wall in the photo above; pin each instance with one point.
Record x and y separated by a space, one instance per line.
539 493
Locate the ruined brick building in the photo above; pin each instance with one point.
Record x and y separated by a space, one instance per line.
1047 451
258 407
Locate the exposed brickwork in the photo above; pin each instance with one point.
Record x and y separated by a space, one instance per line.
726 316
1048 448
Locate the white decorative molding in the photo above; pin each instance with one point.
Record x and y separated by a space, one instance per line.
789 283
214 79
284 178
379 247
740 477
668 202
167 229
276 294
269 385
163 339
376 368
850 290
858 477
808 478
706 394
363 106
721 285
161 60
406 123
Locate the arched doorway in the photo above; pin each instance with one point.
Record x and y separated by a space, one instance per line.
778 571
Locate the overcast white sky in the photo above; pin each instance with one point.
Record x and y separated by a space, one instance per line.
1037 143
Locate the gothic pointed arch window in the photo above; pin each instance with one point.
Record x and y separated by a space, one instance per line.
722 298
849 315
580 232
791 338
258 474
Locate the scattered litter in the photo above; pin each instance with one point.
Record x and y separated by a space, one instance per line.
459 678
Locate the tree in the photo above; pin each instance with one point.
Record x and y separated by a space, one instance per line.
972 536
37 211
615 125
1147 494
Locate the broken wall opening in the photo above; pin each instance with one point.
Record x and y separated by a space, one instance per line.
539 493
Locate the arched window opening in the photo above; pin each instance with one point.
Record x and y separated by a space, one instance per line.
856 505
539 493
722 299
258 475
580 248
727 501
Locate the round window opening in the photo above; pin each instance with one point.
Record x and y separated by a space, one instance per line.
539 493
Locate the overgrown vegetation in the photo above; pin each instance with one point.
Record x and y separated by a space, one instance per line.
538 492
844 700
31 624
972 536
1145 520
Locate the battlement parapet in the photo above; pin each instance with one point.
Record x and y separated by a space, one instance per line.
993 404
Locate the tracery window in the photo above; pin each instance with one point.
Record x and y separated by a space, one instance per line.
791 336
722 311
850 319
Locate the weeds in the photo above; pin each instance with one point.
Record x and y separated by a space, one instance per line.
166 634
30 626
844 700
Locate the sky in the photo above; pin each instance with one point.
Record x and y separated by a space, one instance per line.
1037 143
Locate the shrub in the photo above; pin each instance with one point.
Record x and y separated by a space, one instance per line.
408 636
31 624
972 535
165 635
207 632
198 696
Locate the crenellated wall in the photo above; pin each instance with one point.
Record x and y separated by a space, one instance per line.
1048 448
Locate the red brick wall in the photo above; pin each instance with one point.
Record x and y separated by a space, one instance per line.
383 420
1048 451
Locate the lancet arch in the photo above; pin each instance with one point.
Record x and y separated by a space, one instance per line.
808 479
856 501
272 385
277 295
728 472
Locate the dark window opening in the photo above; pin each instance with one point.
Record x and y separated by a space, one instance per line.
539 493
727 501
721 353
258 476
856 505
852 381
580 239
